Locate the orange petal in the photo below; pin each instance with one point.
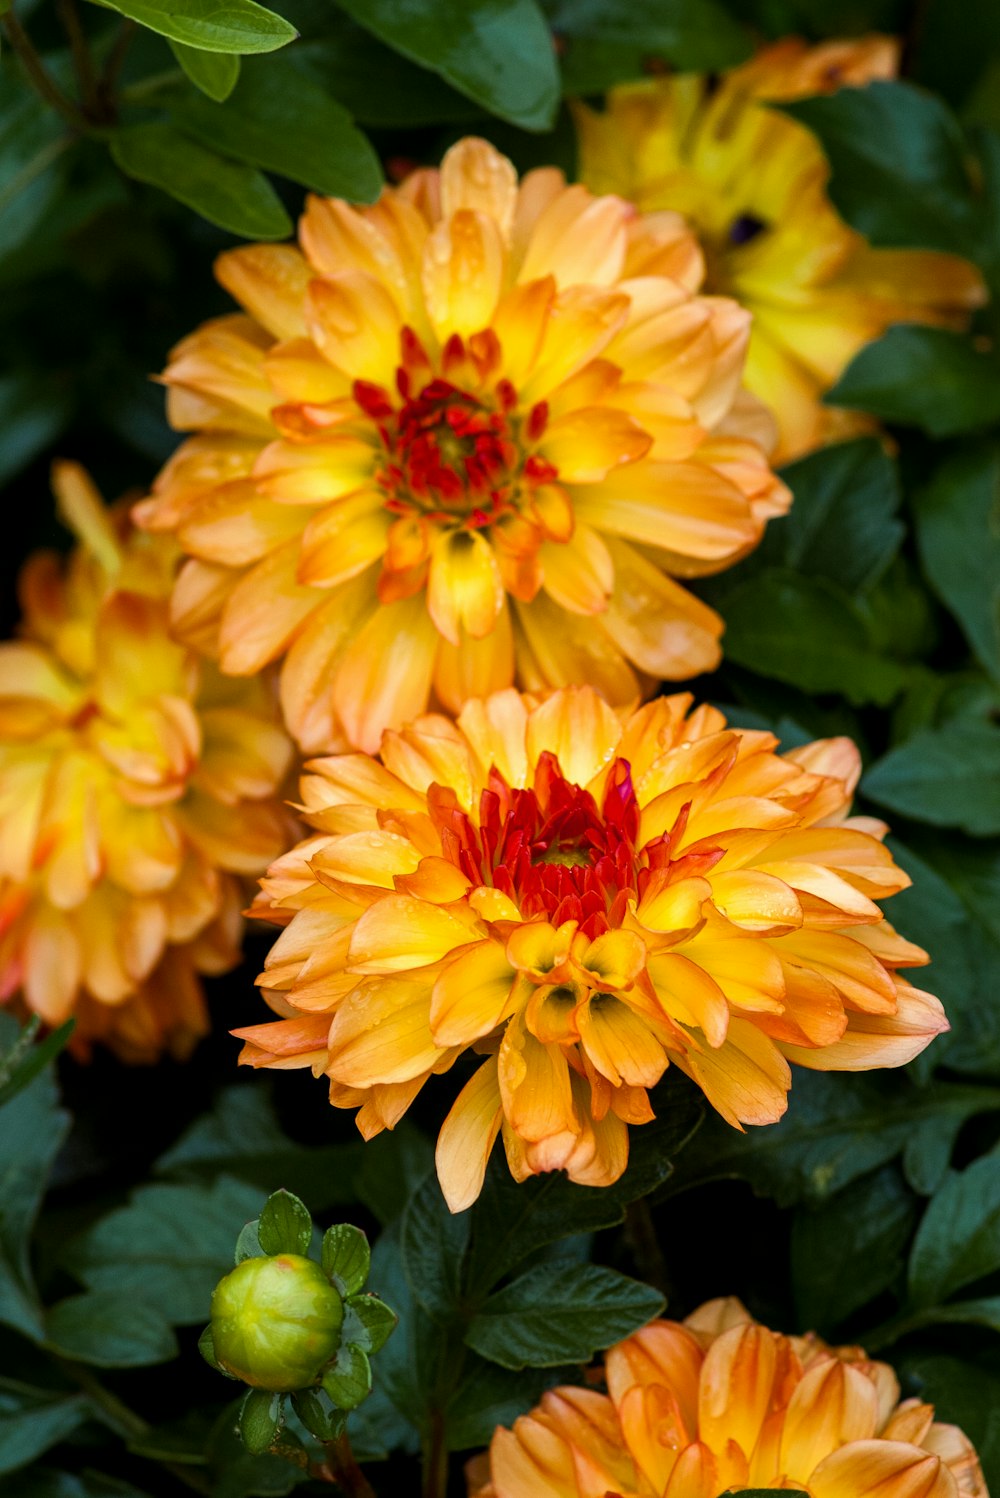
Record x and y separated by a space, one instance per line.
467 1138
472 995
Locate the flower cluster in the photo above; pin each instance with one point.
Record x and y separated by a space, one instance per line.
467 437
718 1403
138 794
753 183
584 896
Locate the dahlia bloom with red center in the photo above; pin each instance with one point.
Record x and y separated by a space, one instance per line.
718 1403
464 438
582 897
139 793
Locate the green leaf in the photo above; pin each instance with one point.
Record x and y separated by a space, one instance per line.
498 52
234 196
317 1418
973 870
110 1330
206 1346
513 1219
552 1315
33 412
285 1225
923 377
32 1420
260 1420
867 1226
23 1061
807 633
280 119
946 776
843 525
349 1381
369 1322
347 1256
837 1128
390 1164
248 1242
242 1137
32 1131
958 1240
33 139
966 1392
958 533
603 42
433 1243
169 1247
377 85
41 1482
489 1396
214 73
238 26
899 165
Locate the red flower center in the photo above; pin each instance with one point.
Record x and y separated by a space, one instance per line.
551 849
451 454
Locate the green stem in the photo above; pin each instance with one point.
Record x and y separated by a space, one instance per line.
108 84
43 84
436 1458
344 1466
83 66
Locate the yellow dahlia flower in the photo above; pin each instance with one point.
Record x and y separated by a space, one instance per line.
718 1403
137 794
752 182
466 437
583 896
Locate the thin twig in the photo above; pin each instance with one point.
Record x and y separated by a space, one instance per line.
108 84
41 80
436 1459
83 64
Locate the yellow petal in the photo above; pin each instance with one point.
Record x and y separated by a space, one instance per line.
399 932
467 1138
472 995
462 273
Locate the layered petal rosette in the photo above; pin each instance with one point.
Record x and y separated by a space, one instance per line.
719 1403
138 794
752 182
465 438
583 896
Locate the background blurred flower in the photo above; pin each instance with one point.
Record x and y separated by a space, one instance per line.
752 182
138 793
719 1402
467 436
586 897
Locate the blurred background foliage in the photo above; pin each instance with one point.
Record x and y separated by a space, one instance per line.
139 138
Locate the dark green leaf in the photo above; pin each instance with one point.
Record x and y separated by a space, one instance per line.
242 1137
837 1128
237 1474
234 196
260 1420
512 1220
489 1395
248 1242
346 1254
215 73
951 59
847 1250
22 1062
433 1243
280 119
946 776
499 52
958 533
33 412
807 633
958 1240
369 1322
549 1316
923 377
607 41
973 870
899 164
389 1166
377 85
285 1226
169 1247
967 1393
32 1420
238 26
206 1346
843 524
317 1417
33 138
110 1330
41 1482
32 1130
349 1381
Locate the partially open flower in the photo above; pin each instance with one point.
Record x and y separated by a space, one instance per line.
276 1322
720 1403
464 438
138 794
753 184
583 897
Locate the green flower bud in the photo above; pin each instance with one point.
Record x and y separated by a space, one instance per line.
276 1322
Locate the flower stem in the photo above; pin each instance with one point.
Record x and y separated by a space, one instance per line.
436 1458
43 84
343 1464
83 66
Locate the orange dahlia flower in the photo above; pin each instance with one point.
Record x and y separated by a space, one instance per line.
466 437
137 794
752 183
718 1403
583 896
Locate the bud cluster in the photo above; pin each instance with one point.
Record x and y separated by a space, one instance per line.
289 1326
